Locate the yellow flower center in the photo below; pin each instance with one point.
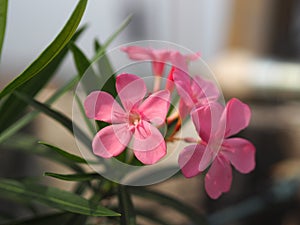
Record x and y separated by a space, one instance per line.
134 118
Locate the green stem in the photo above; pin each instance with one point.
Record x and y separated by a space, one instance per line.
127 211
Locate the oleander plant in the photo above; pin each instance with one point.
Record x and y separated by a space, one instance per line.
125 119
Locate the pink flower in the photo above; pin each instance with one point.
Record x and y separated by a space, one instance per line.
158 57
194 92
215 124
136 120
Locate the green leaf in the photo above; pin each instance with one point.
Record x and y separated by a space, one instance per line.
126 207
26 119
112 37
53 197
50 52
106 72
62 119
82 112
81 61
12 107
105 69
74 177
3 15
69 156
104 66
186 210
85 68
59 117
28 145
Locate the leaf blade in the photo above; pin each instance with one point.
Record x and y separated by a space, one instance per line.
81 61
59 117
28 145
26 119
128 215
12 107
186 210
50 52
67 155
112 37
54 197
74 177
3 16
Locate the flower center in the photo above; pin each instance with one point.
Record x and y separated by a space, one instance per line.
134 118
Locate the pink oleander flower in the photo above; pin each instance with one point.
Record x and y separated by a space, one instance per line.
194 92
215 125
158 57
179 62
135 120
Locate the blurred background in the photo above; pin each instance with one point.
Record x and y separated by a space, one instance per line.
253 47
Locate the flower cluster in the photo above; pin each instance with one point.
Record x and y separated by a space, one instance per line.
135 121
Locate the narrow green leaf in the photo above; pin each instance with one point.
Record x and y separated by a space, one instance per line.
62 119
112 37
81 61
12 107
79 188
59 117
105 69
26 119
186 210
104 66
128 216
50 52
28 145
53 197
3 15
86 120
69 156
85 68
74 177
106 72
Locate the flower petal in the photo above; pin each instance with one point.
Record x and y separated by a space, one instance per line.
111 140
206 120
184 109
182 82
155 107
190 158
238 116
193 57
170 80
241 153
179 61
131 89
161 55
158 68
148 143
138 53
152 156
219 177
205 91
211 130
102 106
